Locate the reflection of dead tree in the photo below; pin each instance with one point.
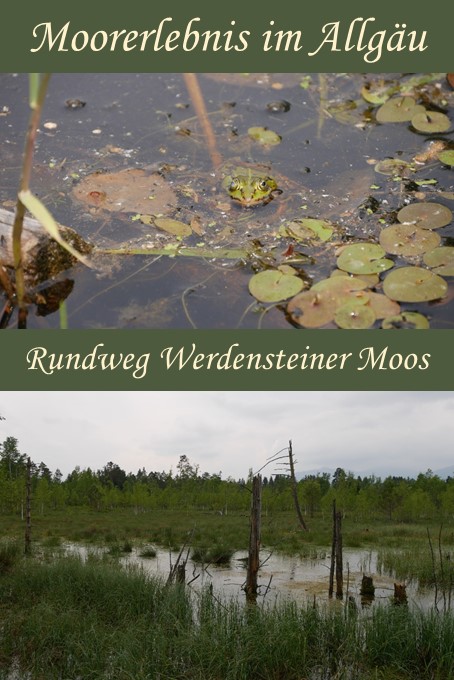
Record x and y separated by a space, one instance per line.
198 102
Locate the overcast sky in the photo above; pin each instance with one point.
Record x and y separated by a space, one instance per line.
231 432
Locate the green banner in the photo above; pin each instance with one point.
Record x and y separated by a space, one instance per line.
265 36
226 360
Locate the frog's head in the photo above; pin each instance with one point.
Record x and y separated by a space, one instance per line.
250 189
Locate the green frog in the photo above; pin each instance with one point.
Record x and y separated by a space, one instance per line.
250 186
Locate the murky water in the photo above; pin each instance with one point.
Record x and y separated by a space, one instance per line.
137 121
280 576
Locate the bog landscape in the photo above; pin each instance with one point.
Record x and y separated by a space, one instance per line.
186 574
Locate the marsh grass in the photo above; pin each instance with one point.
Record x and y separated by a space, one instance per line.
10 552
148 552
96 620
408 564
213 554
169 528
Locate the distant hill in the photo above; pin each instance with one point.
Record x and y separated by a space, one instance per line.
445 472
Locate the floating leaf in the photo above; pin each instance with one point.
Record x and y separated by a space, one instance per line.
441 260
430 122
375 93
264 136
382 305
341 285
393 166
425 215
399 110
308 228
287 269
447 157
408 240
370 279
363 258
312 308
406 320
354 316
131 190
274 286
414 284
174 227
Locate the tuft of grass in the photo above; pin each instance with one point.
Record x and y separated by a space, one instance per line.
213 554
10 552
148 552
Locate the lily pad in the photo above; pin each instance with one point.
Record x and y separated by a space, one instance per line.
414 284
425 215
264 136
407 321
274 286
370 279
382 305
441 260
394 166
399 110
430 122
375 93
312 308
341 284
131 190
363 258
354 316
408 240
344 289
308 228
174 227
447 157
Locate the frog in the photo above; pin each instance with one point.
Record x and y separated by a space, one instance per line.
249 186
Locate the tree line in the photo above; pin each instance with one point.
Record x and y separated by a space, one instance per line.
362 498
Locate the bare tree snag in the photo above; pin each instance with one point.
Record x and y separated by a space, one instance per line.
295 487
336 556
254 540
28 502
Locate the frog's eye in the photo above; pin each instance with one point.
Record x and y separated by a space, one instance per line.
263 185
234 184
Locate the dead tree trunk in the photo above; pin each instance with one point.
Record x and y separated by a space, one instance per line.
339 558
28 502
254 540
333 554
336 556
295 487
